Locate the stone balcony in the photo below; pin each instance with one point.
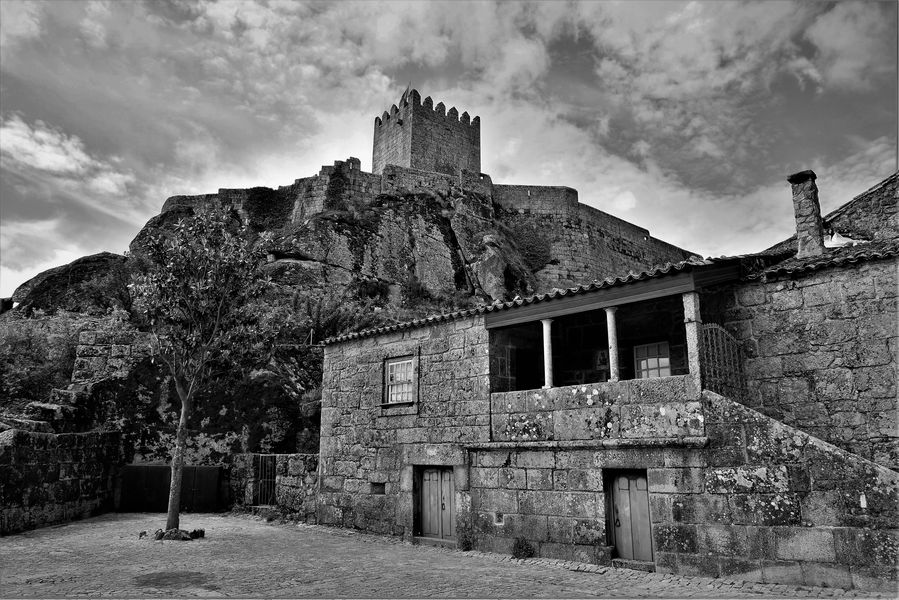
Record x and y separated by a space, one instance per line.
632 412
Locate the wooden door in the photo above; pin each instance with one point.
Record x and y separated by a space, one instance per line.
631 531
438 515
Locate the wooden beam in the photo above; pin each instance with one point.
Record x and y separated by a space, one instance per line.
637 291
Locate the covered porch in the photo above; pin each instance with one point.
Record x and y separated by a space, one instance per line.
647 328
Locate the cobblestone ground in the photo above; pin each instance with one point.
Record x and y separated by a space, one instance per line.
247 557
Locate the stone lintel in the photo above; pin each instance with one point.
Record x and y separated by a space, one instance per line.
658 442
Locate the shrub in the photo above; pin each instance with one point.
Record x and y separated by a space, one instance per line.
37 354
522 549
465 541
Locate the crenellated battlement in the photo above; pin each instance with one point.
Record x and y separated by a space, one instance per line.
412 99
419 135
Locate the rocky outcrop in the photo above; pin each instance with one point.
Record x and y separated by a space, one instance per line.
90 282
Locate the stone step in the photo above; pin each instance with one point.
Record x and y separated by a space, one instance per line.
636 565
429 541
26 424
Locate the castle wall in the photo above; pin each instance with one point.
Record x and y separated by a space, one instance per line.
393 138
572 243
821 353
444 142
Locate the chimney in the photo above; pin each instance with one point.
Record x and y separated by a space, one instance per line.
809 227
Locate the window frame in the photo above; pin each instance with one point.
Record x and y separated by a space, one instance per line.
648 372
412 359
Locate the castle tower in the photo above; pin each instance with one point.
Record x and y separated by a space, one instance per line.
420 135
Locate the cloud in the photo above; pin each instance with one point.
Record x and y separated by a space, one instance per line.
19 21
41 154
851 40
21 241
677 116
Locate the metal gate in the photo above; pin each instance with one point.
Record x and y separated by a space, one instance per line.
145 488
265 469
722 362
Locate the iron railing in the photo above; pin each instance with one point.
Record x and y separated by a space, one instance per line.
722 362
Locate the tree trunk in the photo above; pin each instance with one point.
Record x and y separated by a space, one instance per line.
173 521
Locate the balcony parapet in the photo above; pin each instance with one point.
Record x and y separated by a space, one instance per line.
640 409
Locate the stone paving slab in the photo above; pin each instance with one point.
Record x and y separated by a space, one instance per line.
244 556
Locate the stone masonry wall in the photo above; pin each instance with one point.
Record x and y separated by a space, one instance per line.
48 478
102 354
364 442
635 409
757 500
871 215
296 483
821 354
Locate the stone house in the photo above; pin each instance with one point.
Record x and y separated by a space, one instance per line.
730 417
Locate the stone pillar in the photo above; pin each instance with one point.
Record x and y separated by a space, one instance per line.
809 227
612 332
547 353
692 322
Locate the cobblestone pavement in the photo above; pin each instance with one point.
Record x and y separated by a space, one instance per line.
246 557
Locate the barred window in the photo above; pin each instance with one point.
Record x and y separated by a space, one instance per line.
652 360
399 377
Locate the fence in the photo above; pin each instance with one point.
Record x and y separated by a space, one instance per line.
145 488
722 363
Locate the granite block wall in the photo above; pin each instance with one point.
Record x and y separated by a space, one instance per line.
366 442
821 354
636 409
102 354
48 478
873 214
751 499
296 483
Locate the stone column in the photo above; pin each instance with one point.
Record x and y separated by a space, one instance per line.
612 332
547 353
809 227
692 322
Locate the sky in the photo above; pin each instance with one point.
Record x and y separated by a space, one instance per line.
682 117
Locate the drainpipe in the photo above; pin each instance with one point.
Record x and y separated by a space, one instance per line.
612 334
547 353
692 322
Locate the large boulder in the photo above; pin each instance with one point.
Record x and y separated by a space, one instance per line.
89 284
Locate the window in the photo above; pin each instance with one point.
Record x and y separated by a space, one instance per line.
399 380
651 360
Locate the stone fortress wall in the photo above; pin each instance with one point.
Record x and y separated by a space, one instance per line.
573 242
422 149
